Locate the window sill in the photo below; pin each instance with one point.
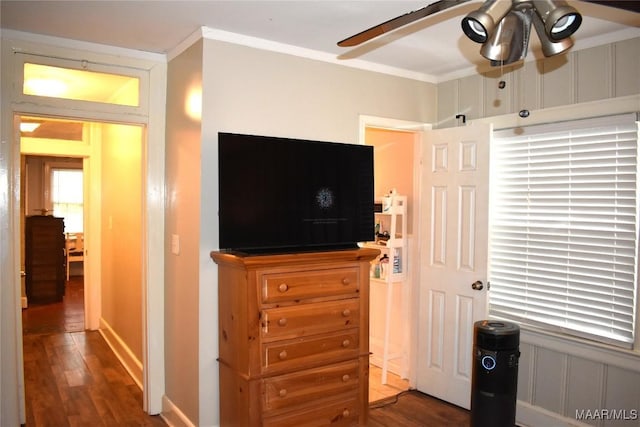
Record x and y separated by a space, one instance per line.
622 358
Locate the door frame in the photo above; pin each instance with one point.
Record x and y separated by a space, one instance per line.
418 128
154 68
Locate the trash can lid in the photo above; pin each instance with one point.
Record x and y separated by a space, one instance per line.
497 334
497 327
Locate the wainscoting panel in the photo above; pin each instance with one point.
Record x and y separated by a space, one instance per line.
572 387
549 380
578 381
627 67
622 392
593 74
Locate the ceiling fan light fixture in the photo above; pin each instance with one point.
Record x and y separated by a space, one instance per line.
480 24
559 19
550 47
510 41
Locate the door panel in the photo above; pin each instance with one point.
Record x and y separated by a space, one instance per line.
455 197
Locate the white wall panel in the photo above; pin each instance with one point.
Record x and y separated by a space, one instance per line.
601 72
622 392
498 101
471 98
447 104
583 375
549 380
526 90
558 81
627 67
593 73
526 372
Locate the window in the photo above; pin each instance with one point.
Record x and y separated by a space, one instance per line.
66 198
564 227
82 85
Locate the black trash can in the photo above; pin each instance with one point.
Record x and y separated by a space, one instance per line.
494 381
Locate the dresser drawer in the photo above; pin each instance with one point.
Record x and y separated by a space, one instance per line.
309 319
297 390
297 285
294 354
335 414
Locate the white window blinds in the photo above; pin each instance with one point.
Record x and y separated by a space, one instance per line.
564 232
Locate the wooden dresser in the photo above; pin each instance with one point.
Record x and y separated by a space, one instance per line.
44 259
294 338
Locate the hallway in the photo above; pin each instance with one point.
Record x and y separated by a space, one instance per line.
71 376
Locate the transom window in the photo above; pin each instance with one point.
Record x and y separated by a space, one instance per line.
82 85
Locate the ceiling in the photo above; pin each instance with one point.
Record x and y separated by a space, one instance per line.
433 49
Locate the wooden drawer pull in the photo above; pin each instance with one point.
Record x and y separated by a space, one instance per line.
345 281
346 312
345 378
283 355
283 287
282 321
346 343
283 392
345 413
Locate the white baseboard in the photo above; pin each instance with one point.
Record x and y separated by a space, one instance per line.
122 352
528 415
173 416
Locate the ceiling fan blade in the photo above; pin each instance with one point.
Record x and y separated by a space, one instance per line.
630 5
398 22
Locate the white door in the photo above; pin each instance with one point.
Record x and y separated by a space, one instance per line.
453 257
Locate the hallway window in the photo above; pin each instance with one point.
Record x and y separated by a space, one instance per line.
564 232
67 198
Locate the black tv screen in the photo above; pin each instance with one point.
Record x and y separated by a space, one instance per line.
280 194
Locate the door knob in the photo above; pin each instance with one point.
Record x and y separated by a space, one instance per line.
477 285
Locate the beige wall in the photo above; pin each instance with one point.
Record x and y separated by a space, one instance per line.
245 90
183 192
121 238
598 73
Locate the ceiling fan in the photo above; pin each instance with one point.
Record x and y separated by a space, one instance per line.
503 27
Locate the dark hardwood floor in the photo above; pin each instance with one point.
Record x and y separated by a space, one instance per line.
71 376
73 379
415 409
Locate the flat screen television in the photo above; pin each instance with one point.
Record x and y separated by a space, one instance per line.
286 195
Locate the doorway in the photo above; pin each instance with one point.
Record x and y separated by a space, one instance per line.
148 112
391 331
52 193
111 156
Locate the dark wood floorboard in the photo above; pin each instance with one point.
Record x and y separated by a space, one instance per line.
72 378
415 409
